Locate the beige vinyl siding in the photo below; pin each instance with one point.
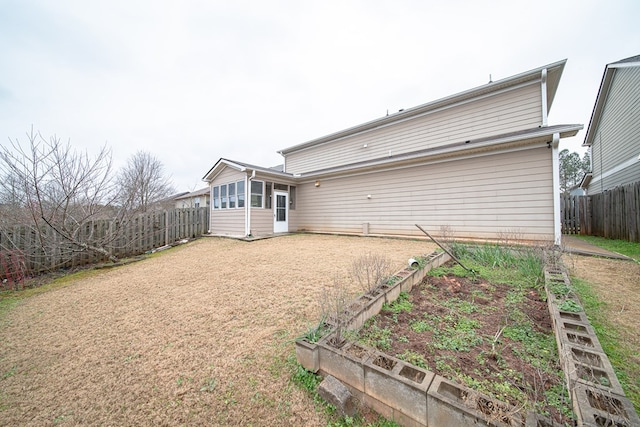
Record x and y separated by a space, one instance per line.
228 222
617 138
513 110
261 222
262 218
482 197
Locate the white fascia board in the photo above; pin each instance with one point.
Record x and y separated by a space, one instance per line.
624 65
216 169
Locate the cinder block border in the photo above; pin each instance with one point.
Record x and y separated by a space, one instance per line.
412 396
596 393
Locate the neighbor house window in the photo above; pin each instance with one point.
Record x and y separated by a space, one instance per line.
240 191
223 197
216 197
256 194
197 202
232 195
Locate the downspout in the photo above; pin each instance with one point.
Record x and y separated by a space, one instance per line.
555 161
247 202
543 86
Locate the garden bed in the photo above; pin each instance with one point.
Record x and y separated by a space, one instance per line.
494 338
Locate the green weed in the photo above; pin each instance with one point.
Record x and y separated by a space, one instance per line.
402 303
421 326
413 358
570 306
375 336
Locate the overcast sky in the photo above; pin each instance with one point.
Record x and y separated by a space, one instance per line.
193 81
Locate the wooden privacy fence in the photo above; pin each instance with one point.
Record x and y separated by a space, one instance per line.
21 247
614 214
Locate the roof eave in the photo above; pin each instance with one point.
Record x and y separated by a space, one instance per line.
241 167
603 93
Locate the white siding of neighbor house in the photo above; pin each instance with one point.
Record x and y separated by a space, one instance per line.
228 222
512 110
483 197
617 136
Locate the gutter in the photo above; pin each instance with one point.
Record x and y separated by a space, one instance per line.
247 202
555 162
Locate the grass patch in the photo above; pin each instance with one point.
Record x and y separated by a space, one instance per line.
518 266
630 249
309 382
10 299
619 352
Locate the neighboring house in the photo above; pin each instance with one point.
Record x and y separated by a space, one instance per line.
576 190
195 199
613 135
482 163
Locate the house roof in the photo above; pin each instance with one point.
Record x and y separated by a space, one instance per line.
243 167
603 93
197 193
554 72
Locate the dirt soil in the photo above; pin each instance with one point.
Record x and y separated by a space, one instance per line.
197 335
431 336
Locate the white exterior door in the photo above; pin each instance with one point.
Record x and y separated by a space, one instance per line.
281 212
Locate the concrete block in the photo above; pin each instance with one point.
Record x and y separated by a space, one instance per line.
307 355
580 340
338 395
452 405
537 420
590 368
574 317
400 386
594 407
342 364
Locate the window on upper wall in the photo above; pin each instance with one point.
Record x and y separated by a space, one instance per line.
232 195
257 194
215 195
240 193
292 197
196 202
223 197
267 198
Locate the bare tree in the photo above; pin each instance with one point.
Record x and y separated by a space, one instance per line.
55 191
142 182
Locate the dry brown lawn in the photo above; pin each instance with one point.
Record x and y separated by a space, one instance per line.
617 284
198 335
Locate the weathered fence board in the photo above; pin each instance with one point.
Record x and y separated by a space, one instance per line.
143 233
613 214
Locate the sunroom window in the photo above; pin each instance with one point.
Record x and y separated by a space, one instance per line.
257 194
